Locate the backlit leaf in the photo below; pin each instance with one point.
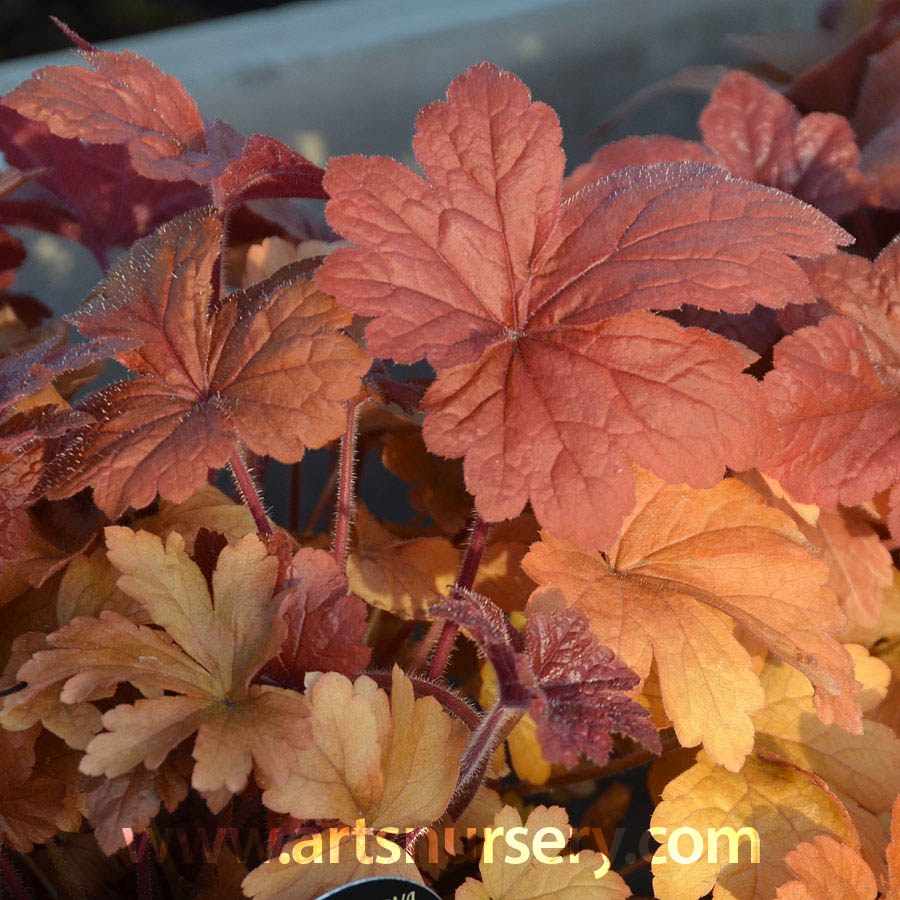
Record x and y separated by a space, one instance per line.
551 372
268 367
688 566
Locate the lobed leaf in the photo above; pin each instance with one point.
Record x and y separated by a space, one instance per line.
834 390
570 877
205 656
686 567
518 301
268 366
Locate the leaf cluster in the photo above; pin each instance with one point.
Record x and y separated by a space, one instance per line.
650 494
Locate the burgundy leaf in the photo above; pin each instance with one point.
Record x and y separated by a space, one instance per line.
580 687
90 194
326 626
265 169
573 687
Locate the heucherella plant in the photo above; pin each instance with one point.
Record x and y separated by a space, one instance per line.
615 558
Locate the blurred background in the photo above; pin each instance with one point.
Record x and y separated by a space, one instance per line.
339 76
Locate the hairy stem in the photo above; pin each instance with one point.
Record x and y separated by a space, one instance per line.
492 730
249 492
456 706
422 650
11 878
346 484
467 572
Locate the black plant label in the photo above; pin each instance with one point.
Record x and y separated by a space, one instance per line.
382 889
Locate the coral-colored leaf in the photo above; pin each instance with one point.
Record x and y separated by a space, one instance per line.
833 83
761 137
269 366
544 385
19 474
121 99
131 801
835 390
859 564
893 855
125 99
686 564
636 151
826 869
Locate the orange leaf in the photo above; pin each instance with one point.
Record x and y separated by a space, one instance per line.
404 577
689 565
827 870
268 367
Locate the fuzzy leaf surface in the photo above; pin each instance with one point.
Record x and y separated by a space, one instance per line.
835 388
551 372
268 367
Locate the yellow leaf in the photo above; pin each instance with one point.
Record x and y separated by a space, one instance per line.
207 508
865 767
394 765
89 586
321 862
524 748
780 803
523 861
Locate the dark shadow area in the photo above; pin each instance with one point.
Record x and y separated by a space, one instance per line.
25 26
